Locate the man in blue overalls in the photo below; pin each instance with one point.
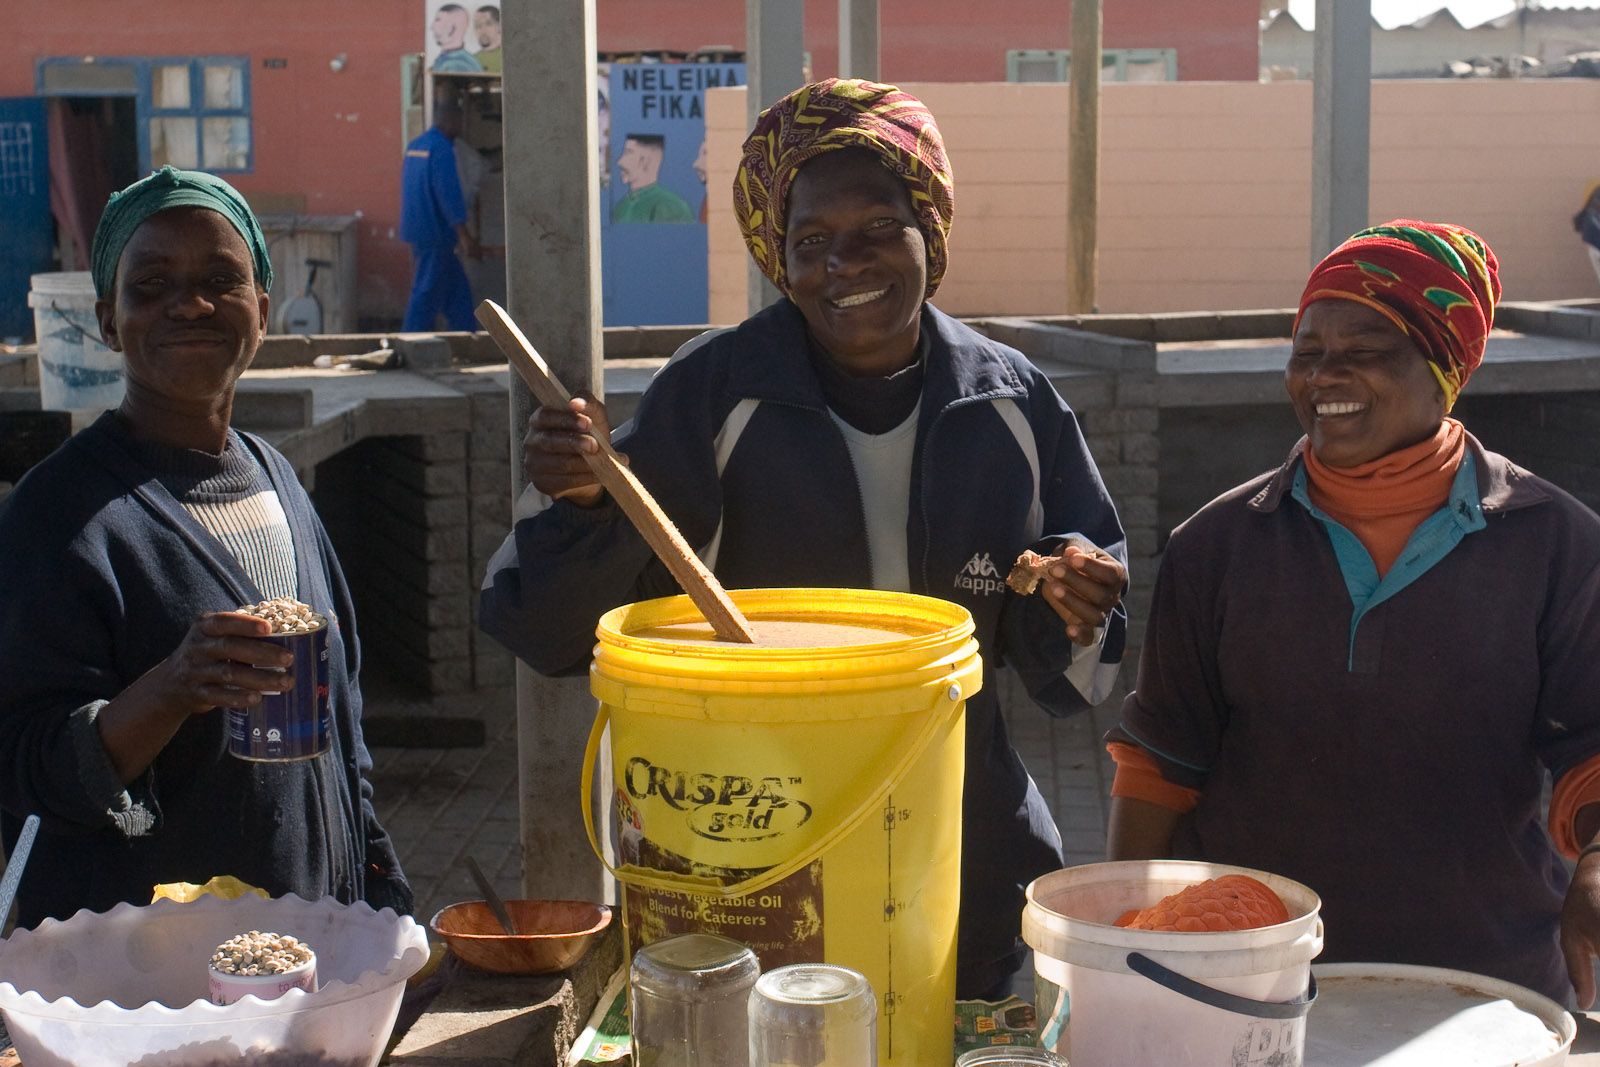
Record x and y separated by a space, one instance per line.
433 218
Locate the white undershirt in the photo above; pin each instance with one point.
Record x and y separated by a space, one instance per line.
883 472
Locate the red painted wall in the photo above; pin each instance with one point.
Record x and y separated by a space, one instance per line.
960 40
335 138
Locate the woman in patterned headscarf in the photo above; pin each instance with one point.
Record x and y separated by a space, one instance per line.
123 560
1359 667
852 435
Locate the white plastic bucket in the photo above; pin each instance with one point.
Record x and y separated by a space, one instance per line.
76 372
1112 997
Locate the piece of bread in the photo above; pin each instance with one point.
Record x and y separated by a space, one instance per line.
1028 571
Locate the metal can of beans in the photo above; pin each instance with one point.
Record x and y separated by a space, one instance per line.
294 724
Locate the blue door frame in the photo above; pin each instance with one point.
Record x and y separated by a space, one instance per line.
27 232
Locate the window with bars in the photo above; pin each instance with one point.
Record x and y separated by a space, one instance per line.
199 116
193 112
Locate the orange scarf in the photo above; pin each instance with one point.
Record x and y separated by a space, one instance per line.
1384 501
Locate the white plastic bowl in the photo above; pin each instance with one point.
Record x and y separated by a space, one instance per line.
128 988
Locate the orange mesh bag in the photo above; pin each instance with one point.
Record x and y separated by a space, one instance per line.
1232 902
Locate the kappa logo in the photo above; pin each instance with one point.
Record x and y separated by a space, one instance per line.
980 576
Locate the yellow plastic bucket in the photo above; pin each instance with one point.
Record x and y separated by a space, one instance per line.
805 801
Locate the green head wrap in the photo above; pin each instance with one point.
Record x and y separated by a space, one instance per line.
170 187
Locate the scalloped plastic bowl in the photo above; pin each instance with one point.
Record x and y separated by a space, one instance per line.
128 987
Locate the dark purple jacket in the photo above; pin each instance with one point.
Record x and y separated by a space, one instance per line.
1396 772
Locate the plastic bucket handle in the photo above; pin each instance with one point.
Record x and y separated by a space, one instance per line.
1167 978
88 338
950 698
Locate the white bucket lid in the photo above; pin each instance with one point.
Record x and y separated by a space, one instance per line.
1404 1016
68 283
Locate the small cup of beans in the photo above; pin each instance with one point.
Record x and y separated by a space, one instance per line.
262 965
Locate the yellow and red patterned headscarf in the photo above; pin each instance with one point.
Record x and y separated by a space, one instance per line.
1436 282
827 116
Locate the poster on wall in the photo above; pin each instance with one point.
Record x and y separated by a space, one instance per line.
653 193
463 38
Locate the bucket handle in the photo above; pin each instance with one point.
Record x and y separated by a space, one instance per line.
1166 977
642 878
86 337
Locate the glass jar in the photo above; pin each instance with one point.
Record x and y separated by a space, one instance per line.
813 1015
688 999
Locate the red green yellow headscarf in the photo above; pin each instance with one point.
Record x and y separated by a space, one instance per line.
1436 282
827 116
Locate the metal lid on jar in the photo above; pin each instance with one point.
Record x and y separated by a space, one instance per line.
695 962
1010 1056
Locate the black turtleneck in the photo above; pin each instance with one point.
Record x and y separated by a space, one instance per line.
871 405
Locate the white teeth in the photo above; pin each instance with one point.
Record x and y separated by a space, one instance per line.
1340 409
857 299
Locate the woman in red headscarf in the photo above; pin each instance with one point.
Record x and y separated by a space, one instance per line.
851 435
1360 666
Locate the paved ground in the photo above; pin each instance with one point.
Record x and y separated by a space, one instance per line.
442 804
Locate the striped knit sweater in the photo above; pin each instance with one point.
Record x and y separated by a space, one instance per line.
231 496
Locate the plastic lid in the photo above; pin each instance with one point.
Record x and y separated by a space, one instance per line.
1009 1056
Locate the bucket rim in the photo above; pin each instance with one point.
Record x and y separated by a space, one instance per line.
61 284
1560 1021
1303 902
938 624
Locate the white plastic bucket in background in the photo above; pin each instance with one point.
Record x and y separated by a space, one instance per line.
1111 997
76 372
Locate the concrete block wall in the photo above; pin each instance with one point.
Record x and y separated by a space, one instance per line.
397 510
1555 436
414 520
488 470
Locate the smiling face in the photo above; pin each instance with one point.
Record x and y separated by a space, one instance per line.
857 262
185 312
450 27
1360 388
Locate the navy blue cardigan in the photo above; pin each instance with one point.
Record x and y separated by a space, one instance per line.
735 441
102 572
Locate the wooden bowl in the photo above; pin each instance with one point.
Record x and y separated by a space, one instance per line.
554 934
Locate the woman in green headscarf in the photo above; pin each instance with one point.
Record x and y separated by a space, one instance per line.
122 559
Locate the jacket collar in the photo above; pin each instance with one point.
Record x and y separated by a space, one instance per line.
774 365
1502 485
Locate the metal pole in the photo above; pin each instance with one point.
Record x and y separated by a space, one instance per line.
1341 104
553 288
858 39
1083 158
775 54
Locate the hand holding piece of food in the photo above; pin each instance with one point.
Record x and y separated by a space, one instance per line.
1082 585
556 442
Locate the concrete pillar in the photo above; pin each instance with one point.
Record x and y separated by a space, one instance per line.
775 54
1083 158
553 285
1341 104
858 39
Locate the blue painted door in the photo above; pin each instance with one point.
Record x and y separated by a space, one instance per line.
26 229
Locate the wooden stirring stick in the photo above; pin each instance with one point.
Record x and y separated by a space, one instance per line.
634 499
